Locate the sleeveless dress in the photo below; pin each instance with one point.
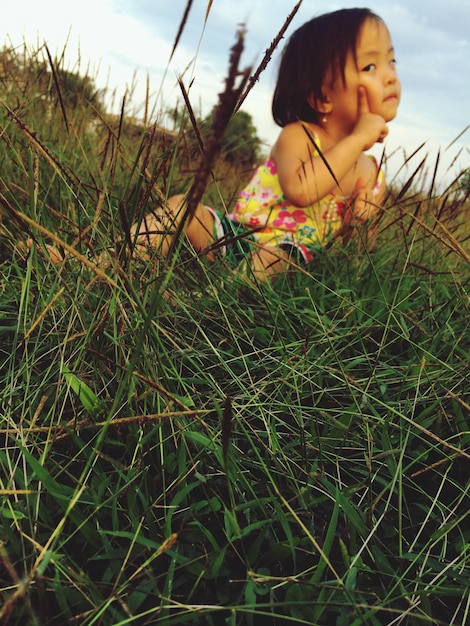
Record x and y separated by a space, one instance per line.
263 209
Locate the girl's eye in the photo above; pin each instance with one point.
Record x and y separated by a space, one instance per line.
369 68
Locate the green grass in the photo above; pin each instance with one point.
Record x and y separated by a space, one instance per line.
183 447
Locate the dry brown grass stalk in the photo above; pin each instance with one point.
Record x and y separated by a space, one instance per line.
235 84
268 55
59 431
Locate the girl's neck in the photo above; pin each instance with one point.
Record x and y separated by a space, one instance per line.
333 131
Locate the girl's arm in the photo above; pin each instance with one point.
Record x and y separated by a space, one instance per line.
304 176
368 194
365 211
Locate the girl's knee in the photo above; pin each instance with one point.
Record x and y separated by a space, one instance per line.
157 229
200 229
268 261
174 204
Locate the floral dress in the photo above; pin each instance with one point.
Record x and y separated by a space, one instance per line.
263 208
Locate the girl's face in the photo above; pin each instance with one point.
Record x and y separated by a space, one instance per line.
374 68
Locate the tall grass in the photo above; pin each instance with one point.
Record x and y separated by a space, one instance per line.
183 447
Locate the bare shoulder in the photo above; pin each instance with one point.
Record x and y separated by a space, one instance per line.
295 139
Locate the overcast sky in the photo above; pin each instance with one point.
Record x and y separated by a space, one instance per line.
121 42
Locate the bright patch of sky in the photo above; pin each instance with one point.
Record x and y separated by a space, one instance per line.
126 45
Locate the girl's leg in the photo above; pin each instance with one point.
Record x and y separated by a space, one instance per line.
158 229
267 261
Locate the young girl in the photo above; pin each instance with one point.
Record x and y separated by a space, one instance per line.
337 89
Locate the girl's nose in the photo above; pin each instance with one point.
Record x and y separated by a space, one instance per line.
390 75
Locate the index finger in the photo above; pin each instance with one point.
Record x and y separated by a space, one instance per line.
363 100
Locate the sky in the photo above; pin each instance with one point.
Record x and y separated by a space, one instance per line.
125 45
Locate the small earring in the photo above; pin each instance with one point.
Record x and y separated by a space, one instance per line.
324 119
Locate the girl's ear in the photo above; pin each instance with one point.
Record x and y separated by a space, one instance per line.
321 105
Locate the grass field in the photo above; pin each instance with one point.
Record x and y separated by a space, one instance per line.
182 446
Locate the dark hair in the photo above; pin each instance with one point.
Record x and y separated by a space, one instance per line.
319 46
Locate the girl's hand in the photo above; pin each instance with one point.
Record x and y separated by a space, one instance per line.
364 208
371 126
